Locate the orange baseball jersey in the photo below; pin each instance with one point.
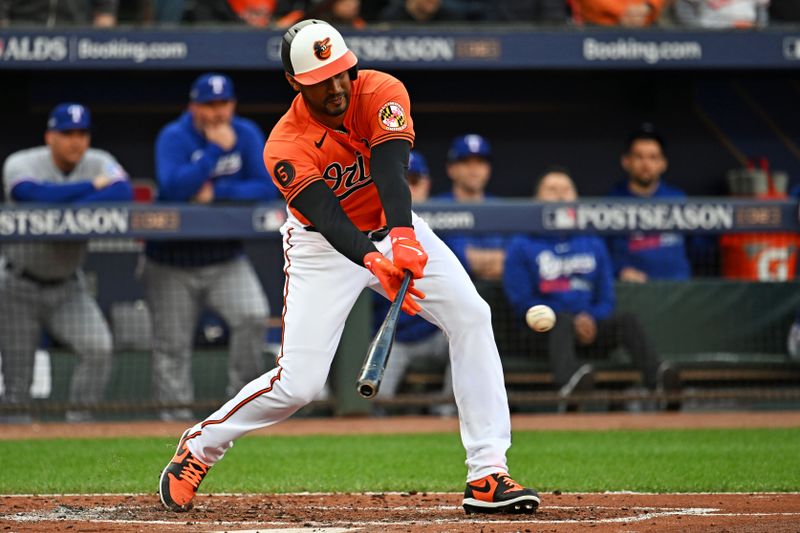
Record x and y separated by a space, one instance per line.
300 150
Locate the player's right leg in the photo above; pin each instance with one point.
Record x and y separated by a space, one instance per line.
320 289
454 304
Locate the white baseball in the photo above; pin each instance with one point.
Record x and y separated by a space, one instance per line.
540 318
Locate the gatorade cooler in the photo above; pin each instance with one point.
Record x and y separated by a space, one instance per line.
759 256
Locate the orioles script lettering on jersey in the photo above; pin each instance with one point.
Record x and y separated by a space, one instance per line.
344 181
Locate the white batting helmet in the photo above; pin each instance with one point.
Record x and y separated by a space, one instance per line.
312 51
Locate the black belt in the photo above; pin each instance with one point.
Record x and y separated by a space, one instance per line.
374 235
24 274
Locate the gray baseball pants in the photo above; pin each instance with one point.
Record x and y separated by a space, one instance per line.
71 316
175 296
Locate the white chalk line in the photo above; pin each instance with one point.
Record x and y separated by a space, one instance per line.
403 493
645 513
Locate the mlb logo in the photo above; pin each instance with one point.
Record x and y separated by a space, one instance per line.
791 48
560 218
268 219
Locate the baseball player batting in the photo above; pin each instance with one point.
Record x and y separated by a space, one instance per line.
339 157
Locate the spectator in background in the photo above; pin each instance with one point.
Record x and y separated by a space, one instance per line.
419 177
251 12
209 12
716 14
529 11
627 13
642 256
419 11
573 275
168 11
339 13
207 155
469 168
254 12
784 11
51 13
416 337
41 283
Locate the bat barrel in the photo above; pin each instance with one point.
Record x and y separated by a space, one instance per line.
369 380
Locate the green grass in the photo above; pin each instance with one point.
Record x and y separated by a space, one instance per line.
659 461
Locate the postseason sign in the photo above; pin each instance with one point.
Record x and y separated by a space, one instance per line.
166 221
690 216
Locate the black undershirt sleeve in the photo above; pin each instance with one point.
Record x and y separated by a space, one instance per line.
388 166
318 204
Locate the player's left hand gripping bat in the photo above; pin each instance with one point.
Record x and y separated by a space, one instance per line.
369 380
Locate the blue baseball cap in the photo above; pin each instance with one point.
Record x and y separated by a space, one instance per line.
417 163
211 87
471 145
69 116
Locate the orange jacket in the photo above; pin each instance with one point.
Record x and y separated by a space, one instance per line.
609 12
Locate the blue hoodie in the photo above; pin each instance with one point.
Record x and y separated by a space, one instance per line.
185 161
570 274
659 255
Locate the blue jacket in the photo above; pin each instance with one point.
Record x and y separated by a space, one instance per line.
185 160
570 274
659 255
458 242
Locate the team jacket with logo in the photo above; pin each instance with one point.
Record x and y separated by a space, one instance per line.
571 275
300 150
185 160
659 255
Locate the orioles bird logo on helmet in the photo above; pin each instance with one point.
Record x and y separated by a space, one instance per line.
322 49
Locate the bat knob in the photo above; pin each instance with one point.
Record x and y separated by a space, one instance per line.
367 390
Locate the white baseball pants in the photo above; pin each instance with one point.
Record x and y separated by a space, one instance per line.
321 287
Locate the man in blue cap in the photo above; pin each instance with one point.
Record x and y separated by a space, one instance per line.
469 168
419 177
41 283
205 156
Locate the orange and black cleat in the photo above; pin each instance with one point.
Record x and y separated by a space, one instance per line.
180 479
498 493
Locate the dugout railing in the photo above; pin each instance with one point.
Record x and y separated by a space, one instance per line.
727 336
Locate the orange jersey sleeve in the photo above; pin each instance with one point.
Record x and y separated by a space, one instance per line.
384 108
290 162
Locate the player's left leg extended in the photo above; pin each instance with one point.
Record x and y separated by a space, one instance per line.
320 290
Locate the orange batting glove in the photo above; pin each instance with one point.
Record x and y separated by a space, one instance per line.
391 278
407 252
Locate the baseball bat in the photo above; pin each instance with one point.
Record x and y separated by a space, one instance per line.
369 380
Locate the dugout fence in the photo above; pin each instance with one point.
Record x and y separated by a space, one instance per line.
729 336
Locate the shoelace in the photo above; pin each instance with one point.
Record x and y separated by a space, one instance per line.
510 483
193 472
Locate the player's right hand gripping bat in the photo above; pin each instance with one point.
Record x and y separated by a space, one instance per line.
369 380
